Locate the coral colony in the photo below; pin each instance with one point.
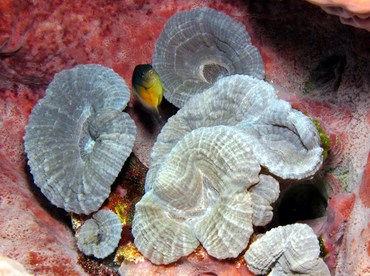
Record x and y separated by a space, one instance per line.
215 166
287 250
208 151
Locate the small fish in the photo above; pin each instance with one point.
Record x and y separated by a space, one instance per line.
147 86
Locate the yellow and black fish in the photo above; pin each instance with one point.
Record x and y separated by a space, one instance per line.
147 86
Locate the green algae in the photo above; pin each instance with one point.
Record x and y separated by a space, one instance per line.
324 252
324 139
308 87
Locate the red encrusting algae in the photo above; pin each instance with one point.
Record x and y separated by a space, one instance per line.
365 185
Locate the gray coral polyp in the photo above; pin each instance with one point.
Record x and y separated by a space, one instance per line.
285 141
200 198
77 138
99 236
228 102
200 46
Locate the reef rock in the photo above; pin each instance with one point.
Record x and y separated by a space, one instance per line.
351 12
33 234
12 267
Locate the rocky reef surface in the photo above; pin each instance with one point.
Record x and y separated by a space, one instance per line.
317 64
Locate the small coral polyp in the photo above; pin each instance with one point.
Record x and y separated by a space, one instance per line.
99 236
287 250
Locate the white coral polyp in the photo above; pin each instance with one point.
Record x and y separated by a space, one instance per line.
287 250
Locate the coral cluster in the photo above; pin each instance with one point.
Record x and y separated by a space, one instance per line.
205 184
227 103
77 139
40 40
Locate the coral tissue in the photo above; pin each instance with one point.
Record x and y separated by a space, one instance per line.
205 183
100 235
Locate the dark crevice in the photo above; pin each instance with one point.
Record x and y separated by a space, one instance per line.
300 201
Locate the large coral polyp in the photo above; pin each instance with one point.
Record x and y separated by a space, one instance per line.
77 138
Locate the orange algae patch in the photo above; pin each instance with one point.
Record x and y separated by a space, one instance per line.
128 253
123 208
365 185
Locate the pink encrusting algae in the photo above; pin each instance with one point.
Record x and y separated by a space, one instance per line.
41 38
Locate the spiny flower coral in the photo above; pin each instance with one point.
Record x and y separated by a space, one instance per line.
77 139
100 235
200 46
287 250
